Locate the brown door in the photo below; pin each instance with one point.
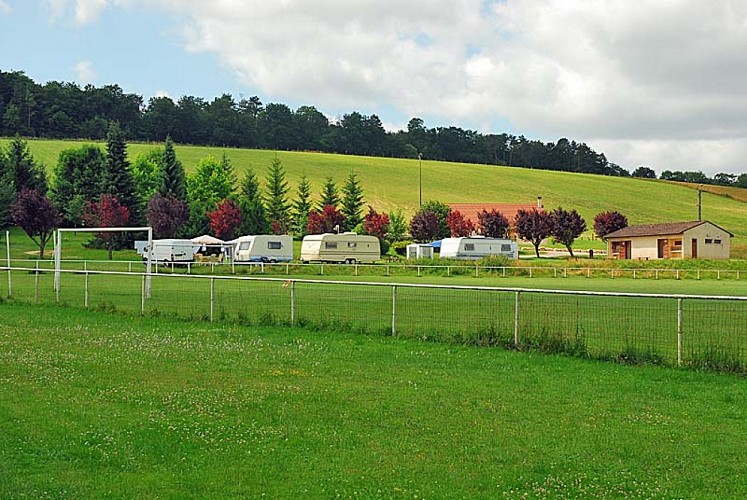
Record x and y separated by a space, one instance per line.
694 248
663 249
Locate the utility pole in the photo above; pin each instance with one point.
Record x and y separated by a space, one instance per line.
420 162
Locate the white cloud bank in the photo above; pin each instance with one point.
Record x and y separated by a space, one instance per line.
654 82
5 8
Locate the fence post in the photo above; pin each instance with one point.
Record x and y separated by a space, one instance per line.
10 279
85 299
212 298
142 297
394 310
679 332
293 303
516 319
36 284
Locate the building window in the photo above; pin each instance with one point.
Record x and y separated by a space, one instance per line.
717 242
709 241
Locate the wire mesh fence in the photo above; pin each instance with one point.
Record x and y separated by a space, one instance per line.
700 331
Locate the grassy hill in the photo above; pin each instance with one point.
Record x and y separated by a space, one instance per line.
390 183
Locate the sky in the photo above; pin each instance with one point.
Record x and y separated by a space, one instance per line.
660 83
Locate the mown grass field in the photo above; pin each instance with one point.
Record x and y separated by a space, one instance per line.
394 183
94 406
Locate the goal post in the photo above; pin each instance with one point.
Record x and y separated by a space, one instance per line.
58 249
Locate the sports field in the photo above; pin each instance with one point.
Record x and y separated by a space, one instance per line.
95 405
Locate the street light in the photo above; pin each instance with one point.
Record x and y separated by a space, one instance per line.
420 162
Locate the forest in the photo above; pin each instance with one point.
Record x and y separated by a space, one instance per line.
64 110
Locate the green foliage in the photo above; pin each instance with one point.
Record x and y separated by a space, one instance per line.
302 205
173 178
146 174
352 202
211 182
329 195
397 225
253 214
7 192
117 179
441 211
79 176
27 173
276 198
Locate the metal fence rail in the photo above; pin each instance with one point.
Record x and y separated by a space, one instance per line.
669 329
387 269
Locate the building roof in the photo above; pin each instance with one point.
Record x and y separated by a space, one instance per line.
665 229
509 210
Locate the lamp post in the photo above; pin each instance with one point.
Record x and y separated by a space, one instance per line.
420 163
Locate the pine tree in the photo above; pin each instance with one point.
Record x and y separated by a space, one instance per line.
253 215
329 195
302 206
27 174
173 178
352 202
277 191
118 179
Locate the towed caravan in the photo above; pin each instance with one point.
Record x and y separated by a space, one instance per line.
263 248
171 250
345 247
477 247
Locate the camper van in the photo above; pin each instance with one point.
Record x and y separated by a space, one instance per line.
346 247
477 247
171 250
263 248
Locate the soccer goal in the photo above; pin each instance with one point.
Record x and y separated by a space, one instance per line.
57 241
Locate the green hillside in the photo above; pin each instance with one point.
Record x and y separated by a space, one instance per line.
391 183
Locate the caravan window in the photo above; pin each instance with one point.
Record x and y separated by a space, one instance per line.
244 245
274 245
330 245
469 247
505 248
352 244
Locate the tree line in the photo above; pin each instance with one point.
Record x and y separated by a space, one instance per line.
64 110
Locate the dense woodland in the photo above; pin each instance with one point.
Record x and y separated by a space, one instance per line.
64 110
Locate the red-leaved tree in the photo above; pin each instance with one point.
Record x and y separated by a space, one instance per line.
329 220
493 224
608 222
33 212
458 225
107 212
377 224
424 227
225 219
166 215
533 226
566 227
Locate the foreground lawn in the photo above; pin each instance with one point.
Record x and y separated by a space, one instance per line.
98 405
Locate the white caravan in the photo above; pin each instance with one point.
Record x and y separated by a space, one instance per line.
171 250
263 248
346 247
477 247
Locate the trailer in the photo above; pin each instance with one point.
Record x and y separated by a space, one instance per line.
170 251
477 247
263 248
344 248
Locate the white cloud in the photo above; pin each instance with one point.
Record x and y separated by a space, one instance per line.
655 77
5 8
84 11
84 72
161 93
